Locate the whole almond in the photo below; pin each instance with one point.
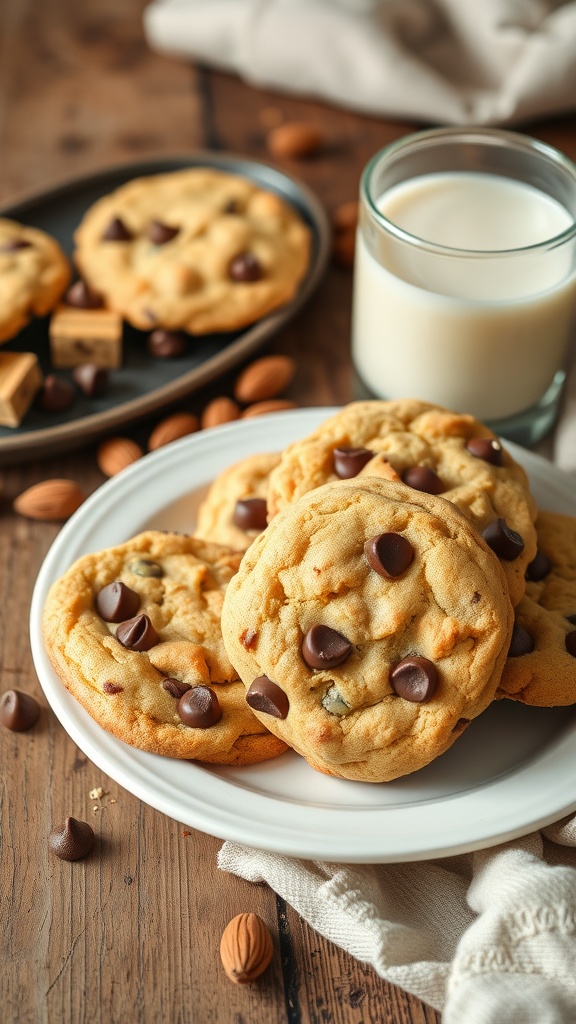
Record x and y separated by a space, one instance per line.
295 139
264 378
170 429
50 500
262 408
116 453
343 248
219 410
246 948
345 216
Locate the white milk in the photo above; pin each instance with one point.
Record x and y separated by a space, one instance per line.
480 334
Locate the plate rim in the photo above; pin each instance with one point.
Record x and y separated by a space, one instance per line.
132 768
71 434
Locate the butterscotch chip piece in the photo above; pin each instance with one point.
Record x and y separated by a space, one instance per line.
131 676
427 447
85 336
233 252
20 380
245 481
541 668
366 623
33 275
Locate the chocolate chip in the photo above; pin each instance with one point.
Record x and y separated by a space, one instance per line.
55 395
422 478
486 448
146 567
248 639
108 687
91 379
232 206
199 707
166 344
175 688
389 554
117 231
13 244
137 634
539 567
504 541
18 711
414 678
324 647
160 233
82 296
245 267
349 461
521 642
266 696
572 619
117 602
72 840
250 514
571 643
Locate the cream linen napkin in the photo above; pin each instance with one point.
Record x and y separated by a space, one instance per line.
443 61
488 938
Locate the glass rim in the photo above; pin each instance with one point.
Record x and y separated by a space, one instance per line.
488 136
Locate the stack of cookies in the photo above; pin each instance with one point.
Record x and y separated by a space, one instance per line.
360 598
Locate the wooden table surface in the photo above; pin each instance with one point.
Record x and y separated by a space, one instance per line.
131 934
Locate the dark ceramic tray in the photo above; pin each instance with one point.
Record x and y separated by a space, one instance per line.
145 384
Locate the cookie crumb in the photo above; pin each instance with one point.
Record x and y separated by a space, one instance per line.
97 793
185 833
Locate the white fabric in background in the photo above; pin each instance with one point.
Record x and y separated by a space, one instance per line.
440 61
488 938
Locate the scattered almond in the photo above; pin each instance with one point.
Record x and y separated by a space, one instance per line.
295 139
246 948
170 429
345 216
116 454
262 408
219 410
49 500
264 378
343 248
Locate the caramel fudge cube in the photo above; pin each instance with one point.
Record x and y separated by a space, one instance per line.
20 379
85 336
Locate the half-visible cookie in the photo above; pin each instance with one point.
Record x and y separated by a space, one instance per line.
197 249
541 668
33 275
370 623
134 633
233 512
430 449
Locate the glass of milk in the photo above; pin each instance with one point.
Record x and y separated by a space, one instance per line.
465 275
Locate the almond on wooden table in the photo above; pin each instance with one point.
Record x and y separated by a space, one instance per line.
219 410
264 378
263 408
49 500
116 453
295 139
246 948
170 429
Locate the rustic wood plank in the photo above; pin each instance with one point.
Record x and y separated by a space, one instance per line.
80 90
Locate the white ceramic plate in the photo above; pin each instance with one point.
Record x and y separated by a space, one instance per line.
511 772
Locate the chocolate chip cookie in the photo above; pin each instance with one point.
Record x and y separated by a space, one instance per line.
430 449
541 668
370 623
233 512
197 249
33 275
134 634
